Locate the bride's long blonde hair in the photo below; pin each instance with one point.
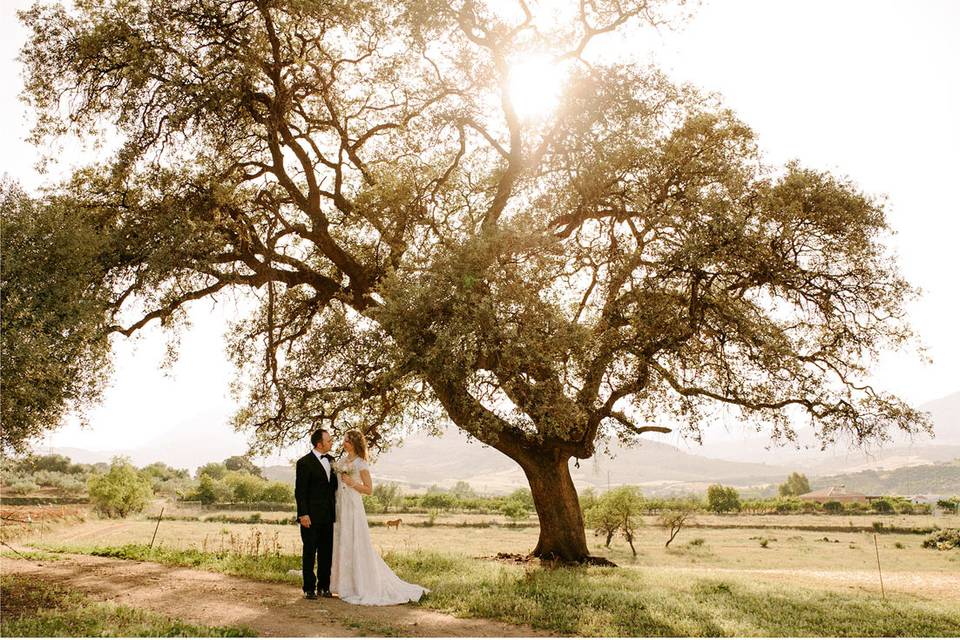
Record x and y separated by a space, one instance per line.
358 441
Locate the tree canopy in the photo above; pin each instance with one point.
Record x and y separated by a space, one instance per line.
796 485
422 252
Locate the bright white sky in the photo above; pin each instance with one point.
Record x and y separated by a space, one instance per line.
865 88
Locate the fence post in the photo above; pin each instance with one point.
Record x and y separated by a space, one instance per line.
877 547
159 518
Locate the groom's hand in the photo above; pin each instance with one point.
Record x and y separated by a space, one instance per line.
305 521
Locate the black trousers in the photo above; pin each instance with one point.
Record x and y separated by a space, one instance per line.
317 549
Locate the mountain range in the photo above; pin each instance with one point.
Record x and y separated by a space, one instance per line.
667 465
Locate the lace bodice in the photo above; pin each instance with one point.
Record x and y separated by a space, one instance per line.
353 468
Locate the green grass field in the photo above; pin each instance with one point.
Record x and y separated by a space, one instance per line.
711 581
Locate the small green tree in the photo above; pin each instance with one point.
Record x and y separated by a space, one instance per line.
722 499
119 492
796 485
463 489
389 494
440 501
210 490
515 509
243 486
674 519
617 511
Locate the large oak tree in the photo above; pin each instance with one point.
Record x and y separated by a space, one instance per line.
421 251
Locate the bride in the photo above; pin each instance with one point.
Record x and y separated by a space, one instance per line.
358 573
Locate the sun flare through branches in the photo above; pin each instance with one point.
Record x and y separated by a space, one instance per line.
535 86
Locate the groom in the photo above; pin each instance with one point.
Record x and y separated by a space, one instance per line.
315 492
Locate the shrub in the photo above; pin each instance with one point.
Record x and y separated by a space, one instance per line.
833 506
696 542
276 492
949 504
371 504
243 486
119 492
943 540
524 496
883 505
209 491
438 501
515 510
21 487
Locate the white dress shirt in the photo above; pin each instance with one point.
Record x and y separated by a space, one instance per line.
324 462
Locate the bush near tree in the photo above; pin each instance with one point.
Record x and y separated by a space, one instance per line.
119 492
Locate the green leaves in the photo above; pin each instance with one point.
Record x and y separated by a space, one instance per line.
53 316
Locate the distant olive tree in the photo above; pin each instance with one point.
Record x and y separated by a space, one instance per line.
721 499
675 518
242 463
389 494
121 491
796 485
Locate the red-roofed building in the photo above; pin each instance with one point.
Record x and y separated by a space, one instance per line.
834 494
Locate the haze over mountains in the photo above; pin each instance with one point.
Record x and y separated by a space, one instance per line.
660 467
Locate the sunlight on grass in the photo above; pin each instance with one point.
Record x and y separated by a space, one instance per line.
593 601
33 607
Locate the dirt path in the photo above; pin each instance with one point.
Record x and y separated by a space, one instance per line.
270 609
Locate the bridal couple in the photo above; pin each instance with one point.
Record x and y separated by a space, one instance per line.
334 530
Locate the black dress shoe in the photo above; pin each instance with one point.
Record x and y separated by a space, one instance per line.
325 593
310 595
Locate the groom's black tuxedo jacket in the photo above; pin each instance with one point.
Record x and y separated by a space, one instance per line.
316 495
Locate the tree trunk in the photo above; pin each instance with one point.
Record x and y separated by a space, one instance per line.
562 536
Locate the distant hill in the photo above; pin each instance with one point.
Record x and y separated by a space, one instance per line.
935 479
659 467
806 455
425 460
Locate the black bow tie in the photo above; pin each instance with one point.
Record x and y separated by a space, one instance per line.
327 456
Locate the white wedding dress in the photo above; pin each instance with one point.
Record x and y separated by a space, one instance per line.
358 574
